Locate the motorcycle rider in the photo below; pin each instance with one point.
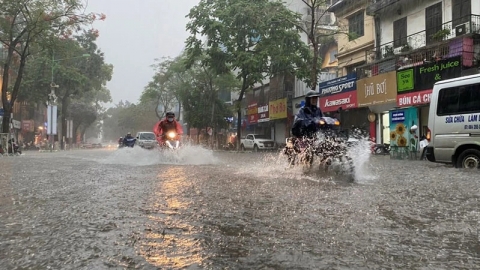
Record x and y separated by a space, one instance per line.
120 141
128 138
166 125
306 122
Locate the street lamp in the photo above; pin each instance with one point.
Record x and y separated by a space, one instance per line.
52 98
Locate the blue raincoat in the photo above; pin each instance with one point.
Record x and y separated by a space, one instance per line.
306 121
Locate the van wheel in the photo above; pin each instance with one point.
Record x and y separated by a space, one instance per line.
469 159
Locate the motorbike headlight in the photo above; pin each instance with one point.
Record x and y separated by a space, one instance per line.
337 123
171 135
321 122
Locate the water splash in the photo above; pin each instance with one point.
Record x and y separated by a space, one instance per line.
186 155
360 153
275 166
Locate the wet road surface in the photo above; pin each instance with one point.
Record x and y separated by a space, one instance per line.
99 209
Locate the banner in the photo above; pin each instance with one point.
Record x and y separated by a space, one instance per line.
414 98
339 85
380 89
400 123
263 115
346 101
425 76
278 109
252 115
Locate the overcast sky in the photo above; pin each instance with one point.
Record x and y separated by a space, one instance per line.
134 34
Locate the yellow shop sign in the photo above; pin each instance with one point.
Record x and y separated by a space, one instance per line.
278 109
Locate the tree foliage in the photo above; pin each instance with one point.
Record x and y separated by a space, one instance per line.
127 117
255 39
79 79
196 89
28 26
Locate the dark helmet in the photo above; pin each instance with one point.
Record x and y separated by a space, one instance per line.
170 114
309 95
129 134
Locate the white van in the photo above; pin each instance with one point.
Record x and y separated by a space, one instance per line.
454 122
146 140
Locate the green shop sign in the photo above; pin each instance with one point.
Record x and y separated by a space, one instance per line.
425 76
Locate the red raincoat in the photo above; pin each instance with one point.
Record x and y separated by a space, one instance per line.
163 126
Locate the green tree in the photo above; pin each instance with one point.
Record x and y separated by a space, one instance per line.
161 91
78 78
24 26
255 39
83 114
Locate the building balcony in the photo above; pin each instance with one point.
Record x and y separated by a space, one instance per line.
378 6
447 42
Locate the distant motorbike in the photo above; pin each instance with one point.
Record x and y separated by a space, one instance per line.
171 141
129 142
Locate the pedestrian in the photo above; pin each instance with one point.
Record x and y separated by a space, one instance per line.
423 146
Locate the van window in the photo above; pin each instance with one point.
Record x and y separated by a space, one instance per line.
459 100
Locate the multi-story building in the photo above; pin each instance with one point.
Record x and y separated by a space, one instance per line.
416 44
355 35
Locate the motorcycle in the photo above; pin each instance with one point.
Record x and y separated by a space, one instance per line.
329 144
171 141
13 148
129 142
379 149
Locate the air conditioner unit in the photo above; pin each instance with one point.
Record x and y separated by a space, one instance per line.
462 29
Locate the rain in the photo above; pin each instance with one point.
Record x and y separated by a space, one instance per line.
265 135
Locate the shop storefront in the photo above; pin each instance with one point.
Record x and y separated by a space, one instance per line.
278 117
414 86
379 95
338 98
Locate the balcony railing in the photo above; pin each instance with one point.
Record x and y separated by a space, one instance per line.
411 43
377 5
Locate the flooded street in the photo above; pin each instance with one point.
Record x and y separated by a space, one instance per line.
131 208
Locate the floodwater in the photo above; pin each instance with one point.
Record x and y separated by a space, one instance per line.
198 209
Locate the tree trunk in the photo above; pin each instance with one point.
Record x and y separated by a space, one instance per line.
239 110
6 104
63 117
314 77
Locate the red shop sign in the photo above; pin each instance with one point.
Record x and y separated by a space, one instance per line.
414 98
252 118
347 100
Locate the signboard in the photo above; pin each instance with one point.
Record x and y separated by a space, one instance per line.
346 101
397 116
263 114
425 76
414 98
70 129
252 113
16 124
380 89
252 118
52 120
28 125
339 85
278 109
252 109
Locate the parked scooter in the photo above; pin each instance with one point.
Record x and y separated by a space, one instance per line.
13 148
380 149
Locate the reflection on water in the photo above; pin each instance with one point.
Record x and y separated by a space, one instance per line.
170 240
